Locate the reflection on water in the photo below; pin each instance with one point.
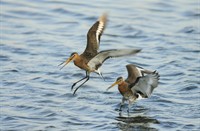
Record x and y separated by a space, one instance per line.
135 120
136 123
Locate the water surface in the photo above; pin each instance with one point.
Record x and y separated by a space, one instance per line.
38 35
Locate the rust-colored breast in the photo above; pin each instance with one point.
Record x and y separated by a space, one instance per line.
81 62
123 88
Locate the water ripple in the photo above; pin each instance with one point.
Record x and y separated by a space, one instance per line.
36 95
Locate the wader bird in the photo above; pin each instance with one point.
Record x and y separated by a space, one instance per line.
91 60
137 85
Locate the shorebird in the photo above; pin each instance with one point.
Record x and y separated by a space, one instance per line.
137 85
91 60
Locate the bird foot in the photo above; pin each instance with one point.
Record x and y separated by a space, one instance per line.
74 93
73 86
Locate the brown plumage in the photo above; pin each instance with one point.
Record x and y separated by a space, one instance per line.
91 60
137 85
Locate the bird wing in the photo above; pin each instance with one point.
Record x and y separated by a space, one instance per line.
146 84
98 60
133 73
94 35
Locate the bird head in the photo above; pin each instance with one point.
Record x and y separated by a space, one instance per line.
72 57
118 81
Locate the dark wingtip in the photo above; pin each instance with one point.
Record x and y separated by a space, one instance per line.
138 50
135 51
156 74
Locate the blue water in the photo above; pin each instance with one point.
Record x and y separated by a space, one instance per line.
37 35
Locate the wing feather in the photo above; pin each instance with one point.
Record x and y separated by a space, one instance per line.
94 35
146 84
98 60
133 73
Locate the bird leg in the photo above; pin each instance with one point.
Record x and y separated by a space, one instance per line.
81 84
80 80
128 109
121 104
129 104
86 77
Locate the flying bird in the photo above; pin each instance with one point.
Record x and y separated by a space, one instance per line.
139 84
91 60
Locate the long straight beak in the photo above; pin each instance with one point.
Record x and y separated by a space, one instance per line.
112 85
66 62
